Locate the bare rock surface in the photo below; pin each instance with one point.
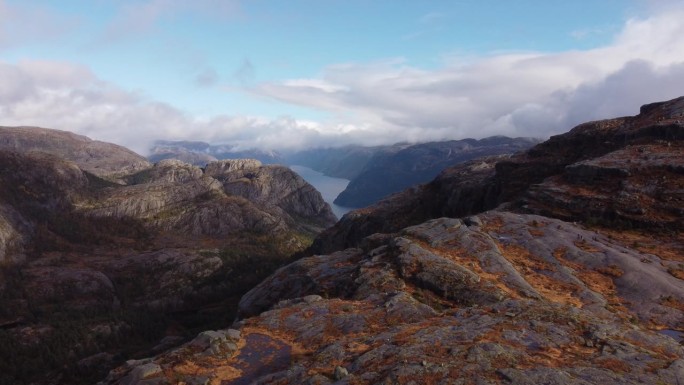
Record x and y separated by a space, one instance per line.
461 281
103 254
499 298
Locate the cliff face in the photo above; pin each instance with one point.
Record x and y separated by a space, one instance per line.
496 294
97 260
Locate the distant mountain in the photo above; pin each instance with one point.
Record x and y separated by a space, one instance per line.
340 162
103 254
397 167
201 153
562 264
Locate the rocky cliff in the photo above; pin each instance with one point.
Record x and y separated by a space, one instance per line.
98 262
589 292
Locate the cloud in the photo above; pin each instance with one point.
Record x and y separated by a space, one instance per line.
245 74
208 77
531 94
432 17
70 97
515 93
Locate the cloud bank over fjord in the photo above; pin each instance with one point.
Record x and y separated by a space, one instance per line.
529 94
532 94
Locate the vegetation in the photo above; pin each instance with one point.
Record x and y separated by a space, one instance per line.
81 345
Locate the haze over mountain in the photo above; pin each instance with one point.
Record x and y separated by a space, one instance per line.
395 168
374 172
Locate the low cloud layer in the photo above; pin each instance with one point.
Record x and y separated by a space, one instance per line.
529 94
517 94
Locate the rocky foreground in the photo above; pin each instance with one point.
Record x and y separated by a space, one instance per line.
560 265
101 261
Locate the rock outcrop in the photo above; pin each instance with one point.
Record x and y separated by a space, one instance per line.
98 259
494 299
598 171
460 281
201 153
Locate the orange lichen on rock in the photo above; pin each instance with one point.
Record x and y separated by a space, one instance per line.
536 272
471 262
672 302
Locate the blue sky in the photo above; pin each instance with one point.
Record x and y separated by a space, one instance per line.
288 74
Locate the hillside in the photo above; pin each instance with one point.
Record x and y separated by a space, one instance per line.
560 265
399 167
93 270
340 162
105 160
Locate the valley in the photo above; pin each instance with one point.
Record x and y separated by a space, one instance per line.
329 187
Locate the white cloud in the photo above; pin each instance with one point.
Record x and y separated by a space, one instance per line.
505 93
517 94
69 97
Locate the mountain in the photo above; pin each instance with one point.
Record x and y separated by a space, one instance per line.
374 172
102 159
133 259
201 153
598 172
340 162
559 265
398 167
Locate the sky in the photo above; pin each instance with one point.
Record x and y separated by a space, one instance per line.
292 74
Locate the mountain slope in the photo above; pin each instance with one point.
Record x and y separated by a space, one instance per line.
105 160
93 270
201 153
399 167
340 162
499 296
577 162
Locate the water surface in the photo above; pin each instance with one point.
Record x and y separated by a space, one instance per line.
329 187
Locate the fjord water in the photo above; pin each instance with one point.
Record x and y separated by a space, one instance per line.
329 187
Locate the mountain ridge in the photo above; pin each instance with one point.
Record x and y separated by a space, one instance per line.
95 266
462 281
394 170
